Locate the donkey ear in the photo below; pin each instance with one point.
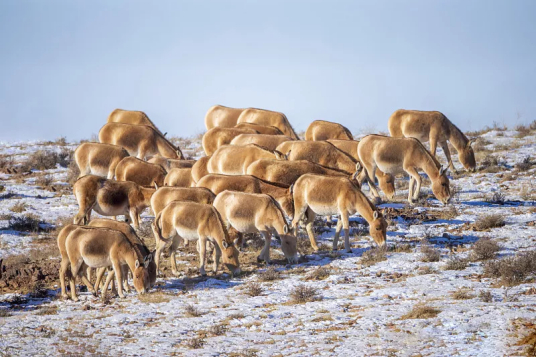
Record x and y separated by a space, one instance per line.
155 185
165 133
291 189
358 167
375 215
287 155
137 264
285 229
225 244
471 142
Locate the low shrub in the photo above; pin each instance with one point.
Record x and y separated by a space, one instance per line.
303 293
484 249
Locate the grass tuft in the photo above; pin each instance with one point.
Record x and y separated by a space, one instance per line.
484 249
489 221
421 311
303 293
429 253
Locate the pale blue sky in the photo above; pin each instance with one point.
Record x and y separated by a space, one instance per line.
65 65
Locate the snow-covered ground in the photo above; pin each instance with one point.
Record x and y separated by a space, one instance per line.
359 308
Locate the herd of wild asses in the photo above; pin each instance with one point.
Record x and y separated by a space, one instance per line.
258 177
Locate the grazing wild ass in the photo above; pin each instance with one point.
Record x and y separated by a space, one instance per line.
164 195
99 159
133 117
169 164
268 141
199 169
251 213
139 140
327 195
223 117
385 181
179 178
261 129
268 118
287 172
101 248
399 155
245 183
436 128
234 160
186 220
324 130
217 137
141 172
145 254
110 198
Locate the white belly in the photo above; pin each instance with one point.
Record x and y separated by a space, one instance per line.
324 210
188 234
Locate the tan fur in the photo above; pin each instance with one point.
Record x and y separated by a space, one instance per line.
268 141
287 172
110 198
234 160
261 129
179 178
145 255
398 155
217 137
169 164
223 117
327 195
251 213
185 220
98 159
269 118
101 248
134 117
165 195
245 183
324 130
139 171
139 140
199 169
385 181
434 127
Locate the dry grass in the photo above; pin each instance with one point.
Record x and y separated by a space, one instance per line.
38 290
156 297
47 310
5 313
421 311
253 289
522 131
489 221
73 173
319 273
373 256
525 164
195 343
456 264
26 223
497 198
45 181
527 192
217 330
484 249
18 207
462 294
46 160
270 274
426 270
192 311
512 270
303 293
485 296
429 253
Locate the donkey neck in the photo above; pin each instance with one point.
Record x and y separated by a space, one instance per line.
165 148
429 164
457 138
363 205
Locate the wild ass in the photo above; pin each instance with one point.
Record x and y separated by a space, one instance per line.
399 155
100 248
185 220
251 213
169 164
245 183
110 198
141 172
269 118
234 160
139 140
145 254
327 195
217 137
261 129
99 159
223 117
268 141
134 117
438 129
164 195
199 169
324 130
179 178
